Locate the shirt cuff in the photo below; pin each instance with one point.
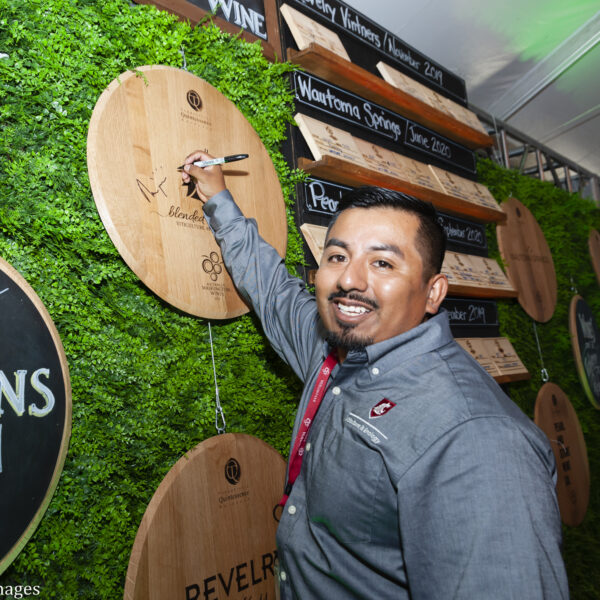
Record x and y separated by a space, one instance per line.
221 209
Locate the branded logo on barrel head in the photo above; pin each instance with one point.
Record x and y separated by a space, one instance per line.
194 100
381 408
233 471
212 266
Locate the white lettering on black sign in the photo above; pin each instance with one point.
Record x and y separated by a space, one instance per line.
471 312
323 197
332 100
347 20
463 235
247 14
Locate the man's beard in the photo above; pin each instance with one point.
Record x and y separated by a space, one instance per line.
347 339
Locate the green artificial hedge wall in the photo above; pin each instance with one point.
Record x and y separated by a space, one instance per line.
141 374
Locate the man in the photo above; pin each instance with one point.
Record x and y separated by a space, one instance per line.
416 477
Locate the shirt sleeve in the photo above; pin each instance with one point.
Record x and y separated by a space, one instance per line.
285 308
479 517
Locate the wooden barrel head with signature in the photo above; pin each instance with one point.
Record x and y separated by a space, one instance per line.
143 126
528 261
555 416
209 530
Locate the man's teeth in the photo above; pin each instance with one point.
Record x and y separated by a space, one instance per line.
352 310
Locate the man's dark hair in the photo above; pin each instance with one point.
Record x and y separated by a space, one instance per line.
430 239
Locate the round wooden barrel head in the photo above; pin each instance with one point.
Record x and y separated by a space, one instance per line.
35 423
143 126
594 246
556 417
209 530
528 261
585 341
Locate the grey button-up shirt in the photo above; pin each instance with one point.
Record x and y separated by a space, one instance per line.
421 479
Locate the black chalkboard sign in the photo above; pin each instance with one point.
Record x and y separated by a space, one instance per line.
329 103
367 43
464 236
585 340
472 317
35 411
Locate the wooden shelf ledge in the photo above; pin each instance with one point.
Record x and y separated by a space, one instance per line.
321 62
345 173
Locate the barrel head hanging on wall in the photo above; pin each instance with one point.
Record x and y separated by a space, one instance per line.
35 411
209 530
555 416
594 247
585 341
528 261
143 126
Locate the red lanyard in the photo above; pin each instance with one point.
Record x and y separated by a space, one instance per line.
307 420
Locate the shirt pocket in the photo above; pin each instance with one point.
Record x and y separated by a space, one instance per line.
343 488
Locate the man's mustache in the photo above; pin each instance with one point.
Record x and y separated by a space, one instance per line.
353 296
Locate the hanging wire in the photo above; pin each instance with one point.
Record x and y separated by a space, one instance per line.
544 373
219 416
573 286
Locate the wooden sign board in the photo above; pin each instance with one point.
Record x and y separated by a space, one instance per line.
474 271
465 189
306 31
315 239
497 356
528 261
209 530
585 341
257 20
377 158
35 412
417 173
556 417
324 139
594 247
430 97
143 126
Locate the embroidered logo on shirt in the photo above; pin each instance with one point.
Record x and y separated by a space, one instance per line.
381 408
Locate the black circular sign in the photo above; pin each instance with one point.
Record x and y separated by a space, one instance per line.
585 339
233 471
35 411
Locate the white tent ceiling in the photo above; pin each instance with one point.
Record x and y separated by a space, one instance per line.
533 64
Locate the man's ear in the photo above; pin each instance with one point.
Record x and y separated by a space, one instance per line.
438 288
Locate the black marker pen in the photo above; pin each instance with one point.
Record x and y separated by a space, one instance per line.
218 161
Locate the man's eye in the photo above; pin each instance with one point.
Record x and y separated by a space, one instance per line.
383 264
336 258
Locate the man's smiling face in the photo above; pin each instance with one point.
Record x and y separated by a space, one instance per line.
370 284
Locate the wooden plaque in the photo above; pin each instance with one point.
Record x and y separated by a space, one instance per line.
430 97
35 412
324 139
377 158
528 261
306 31
594 247
556 417
585 341
315 239
497 356
143 126
417 173
209 530
471 271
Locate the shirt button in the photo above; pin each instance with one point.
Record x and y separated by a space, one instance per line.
375 371
336 391
282 576
292 510
307 446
